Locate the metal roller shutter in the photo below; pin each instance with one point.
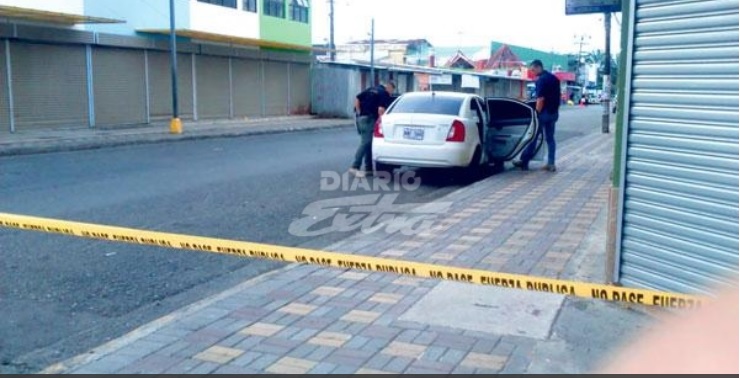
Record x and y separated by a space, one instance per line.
49 86
247 76
213 87
4 96
120 86
300 88
679 220
160 85
276 88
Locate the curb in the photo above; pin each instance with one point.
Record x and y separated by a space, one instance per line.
73 145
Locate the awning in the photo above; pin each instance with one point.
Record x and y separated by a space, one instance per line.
28 14
222 38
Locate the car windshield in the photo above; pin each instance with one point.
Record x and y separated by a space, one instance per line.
428 105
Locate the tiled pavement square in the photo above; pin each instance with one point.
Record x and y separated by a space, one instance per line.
386 298
402 349
297 309
218 354
327 291
330 339
262 329
358 316
371 371
484 361
354 276
289 365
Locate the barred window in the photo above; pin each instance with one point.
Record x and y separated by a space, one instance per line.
299 10
250 6
275 8
223 3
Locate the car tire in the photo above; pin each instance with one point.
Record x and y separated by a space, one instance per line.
474 168
383 167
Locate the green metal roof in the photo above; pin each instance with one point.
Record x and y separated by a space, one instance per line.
527 55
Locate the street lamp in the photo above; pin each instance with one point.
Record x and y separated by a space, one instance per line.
372 52
175 123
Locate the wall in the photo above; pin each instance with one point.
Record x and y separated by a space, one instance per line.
614 192
221 20
286 31
57 57
61 6
139 14
333 90
283 29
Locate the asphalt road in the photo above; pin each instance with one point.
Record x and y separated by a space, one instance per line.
61 296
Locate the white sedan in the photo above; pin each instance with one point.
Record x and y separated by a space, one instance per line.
447 129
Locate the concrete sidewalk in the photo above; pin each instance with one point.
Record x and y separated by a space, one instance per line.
56 140
306 319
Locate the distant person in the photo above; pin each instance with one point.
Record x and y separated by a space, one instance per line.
547 92
370 105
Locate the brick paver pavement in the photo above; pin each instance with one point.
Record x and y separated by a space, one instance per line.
307 319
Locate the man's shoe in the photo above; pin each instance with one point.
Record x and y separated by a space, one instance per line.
522 165
550 168
357 173
368 173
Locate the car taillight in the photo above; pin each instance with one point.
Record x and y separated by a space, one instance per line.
378 130
457 132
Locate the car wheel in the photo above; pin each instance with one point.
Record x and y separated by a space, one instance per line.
475 163
498 166
383 167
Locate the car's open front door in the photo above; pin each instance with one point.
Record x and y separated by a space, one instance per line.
512 124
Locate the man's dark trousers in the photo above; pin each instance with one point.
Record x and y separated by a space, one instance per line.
365 124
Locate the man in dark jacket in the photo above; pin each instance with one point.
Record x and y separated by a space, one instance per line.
547 92
370 105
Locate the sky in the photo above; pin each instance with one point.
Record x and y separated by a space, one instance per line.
539 24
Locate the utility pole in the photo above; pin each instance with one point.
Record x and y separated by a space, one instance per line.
581 43
332 47
175 123
607 74
372 52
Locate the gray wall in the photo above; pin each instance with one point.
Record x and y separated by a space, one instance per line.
333 90
62 78
334 87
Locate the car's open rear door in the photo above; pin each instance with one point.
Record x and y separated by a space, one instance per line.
512 125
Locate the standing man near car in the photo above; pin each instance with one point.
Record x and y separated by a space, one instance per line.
547 92
370 104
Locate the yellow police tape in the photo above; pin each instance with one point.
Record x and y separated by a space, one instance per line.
346 261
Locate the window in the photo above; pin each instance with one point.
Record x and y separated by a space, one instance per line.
299 10
223 3
274 8
250 6
429 105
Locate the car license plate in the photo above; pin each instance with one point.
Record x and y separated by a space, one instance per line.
413 134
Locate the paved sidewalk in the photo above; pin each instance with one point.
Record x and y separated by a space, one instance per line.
306 319
42 141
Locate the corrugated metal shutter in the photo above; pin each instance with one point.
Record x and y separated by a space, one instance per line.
4 105
276 88
300 88
247 76
120 86
160 85
213 87
49 85
679 229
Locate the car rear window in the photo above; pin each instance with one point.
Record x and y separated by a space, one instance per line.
428 105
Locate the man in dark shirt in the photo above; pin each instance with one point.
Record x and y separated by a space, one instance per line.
547 92
370 104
